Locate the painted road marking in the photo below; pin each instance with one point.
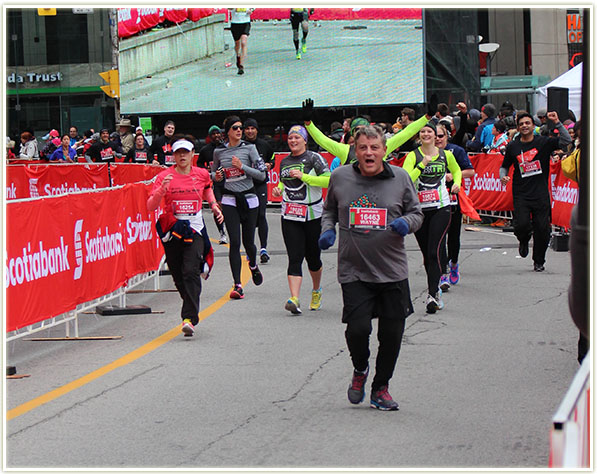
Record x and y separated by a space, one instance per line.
124 360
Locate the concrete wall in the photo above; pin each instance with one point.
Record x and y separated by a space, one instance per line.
157 51
506 28
548 42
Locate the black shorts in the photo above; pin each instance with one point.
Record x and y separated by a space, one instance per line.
239 29
296 19
376 300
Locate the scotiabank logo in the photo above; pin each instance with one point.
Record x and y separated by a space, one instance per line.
78 250
138 230
33 191
36 263
103 245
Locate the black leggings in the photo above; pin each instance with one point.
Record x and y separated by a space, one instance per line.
234 222
453 238
185 264
301 240
262 227
430 237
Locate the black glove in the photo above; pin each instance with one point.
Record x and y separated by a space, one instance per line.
432 105
308 110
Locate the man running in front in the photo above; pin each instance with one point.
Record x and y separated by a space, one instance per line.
376 206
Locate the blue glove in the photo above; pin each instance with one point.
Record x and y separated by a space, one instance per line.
327 239
400 226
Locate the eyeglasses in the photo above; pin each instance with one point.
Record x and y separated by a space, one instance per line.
236 127
440 136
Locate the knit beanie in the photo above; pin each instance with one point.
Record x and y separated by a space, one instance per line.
357 122
431 125
251 122
214 129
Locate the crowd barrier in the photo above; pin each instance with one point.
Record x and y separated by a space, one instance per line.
570 436
75 247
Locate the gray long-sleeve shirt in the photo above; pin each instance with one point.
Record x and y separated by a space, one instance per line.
253 166
371 254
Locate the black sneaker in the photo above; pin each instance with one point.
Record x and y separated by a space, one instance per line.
256 275
356 389
538 267
523 249
241 70
264 256
382 400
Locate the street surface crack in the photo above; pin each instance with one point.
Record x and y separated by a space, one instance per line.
82 402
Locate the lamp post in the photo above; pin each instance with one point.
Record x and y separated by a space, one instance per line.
489 48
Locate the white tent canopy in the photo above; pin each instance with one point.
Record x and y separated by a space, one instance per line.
571 80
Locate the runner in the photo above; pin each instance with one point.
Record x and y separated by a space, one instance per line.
236 163
303 174
450 267
240 27
376 206
346 152
428 166
300 16
183 188
530 156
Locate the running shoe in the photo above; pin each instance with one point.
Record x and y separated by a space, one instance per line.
256 275
315 300
264 256
237 293
223 238
538 267
293 305
356 389
523 249
382 400
187 328
454 273
241 70
435 303
304 47
444 283
298 55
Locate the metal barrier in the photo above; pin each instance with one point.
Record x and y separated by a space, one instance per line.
73 315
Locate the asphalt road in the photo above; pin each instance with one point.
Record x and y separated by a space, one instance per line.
477 382
346 64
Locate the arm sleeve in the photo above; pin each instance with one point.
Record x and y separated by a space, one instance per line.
335 148
156 194
321 181
564 137
454 168
410 168
402 137
256 171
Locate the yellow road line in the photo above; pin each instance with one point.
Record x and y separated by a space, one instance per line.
124 360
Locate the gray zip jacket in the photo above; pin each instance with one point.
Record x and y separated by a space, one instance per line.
253 166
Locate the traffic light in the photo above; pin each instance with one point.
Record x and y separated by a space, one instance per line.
113 87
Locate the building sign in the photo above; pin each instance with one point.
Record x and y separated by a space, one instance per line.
574 33
33 77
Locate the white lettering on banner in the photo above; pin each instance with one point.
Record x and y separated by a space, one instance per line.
36 265
64 188
78 250
565 194
102 246
488 183
124 14
138 230
11 191
33 188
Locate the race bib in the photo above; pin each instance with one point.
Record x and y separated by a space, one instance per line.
367 218
169 159
185 208
530 168
141 156
429 198
107 154
295 212
233 174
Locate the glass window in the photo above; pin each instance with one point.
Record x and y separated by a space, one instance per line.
67 40
14 47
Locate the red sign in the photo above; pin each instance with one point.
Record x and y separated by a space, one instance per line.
486 190
564 196
75 247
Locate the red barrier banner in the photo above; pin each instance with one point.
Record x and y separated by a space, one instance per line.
30 181
132 173
564 196
133 20
75 248
485 189
342 14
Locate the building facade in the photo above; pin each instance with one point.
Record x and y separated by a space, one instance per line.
52 70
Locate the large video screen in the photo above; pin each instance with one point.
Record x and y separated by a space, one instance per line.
184 60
